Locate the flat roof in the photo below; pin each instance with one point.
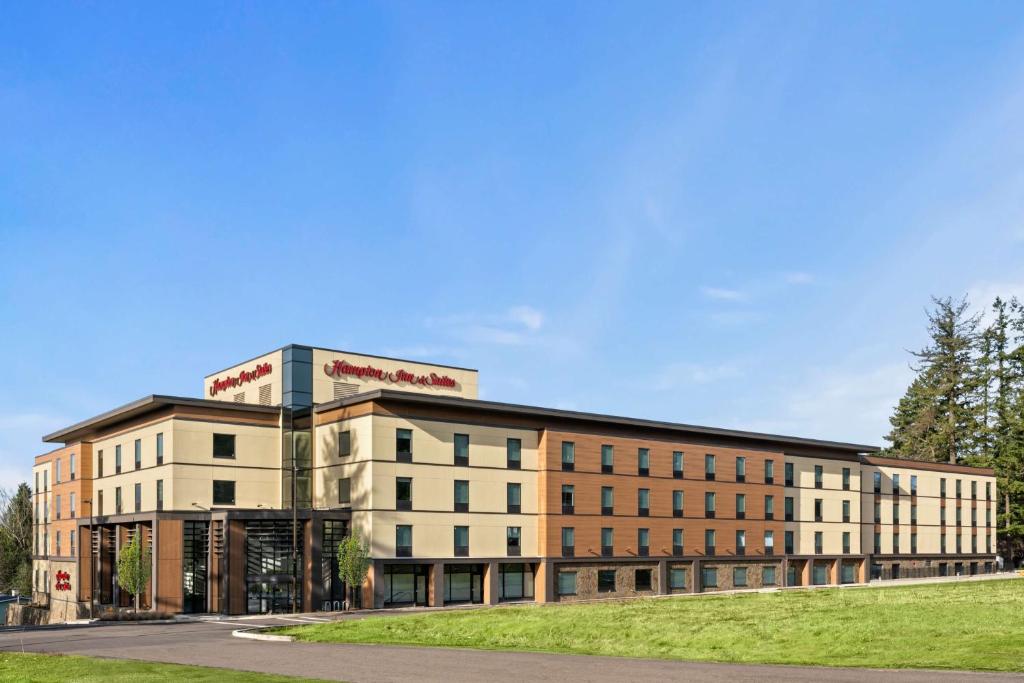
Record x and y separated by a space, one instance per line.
143 406
536 411
325 348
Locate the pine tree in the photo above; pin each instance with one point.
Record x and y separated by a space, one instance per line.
16 539
913 434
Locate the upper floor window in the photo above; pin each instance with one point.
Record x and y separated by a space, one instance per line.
138 497
974 490
819 475
607 459
159 494
942 487
709 467
607 500
223 492
677 464
741 469
99 465
568 456
138 454
769 471
403 493
913 484
988 489
677 503
224 445
344 443
403 540
513 497
846 478
345 491
878 482
958 487
643 502
462 541
462 495
403 445
709 504
462 450
160 448
57 471
643 461
568 499
117 459
895 484
789 474
514 453
741 506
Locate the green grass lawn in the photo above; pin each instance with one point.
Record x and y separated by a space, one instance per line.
36 668
970 625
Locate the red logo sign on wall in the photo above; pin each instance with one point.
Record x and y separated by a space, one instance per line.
63 581
340 368
245 376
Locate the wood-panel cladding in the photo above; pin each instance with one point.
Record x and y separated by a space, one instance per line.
170 544
587 481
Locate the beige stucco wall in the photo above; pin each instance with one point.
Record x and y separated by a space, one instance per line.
250 390
832 496
189 467
323 384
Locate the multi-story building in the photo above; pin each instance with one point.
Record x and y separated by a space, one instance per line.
243 495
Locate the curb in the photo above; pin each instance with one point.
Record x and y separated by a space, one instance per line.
254 634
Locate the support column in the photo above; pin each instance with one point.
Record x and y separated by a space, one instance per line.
153 560
116 590
805 573
834 573
544 582
663 588
785 571
435 591
491 583
698 580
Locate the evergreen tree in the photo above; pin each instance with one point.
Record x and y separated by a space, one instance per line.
16 540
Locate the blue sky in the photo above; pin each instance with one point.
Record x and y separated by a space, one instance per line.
725 214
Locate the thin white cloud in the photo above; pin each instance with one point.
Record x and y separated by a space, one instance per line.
982 294
515 326
723 294
678 375
527 316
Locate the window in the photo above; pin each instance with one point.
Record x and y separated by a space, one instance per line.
159 495
71 469
974 490
741 506
513 498
942 515
913 484
223 445
462 450
942 543
768 576
959 515
819 505
57 507
117 500
462 541
568 456
117 460
846 511
642 580
677 578
607 542
789 474
57 471
974 516
913 543
819 574
739 577
403 445
769 542
789 542
819 473
819 543
403 493
568 499
709 467
959 487
462 495
878 512
988 516
769 507
895 512
514 454
895 484
741 469
71 506
677 503
988 484
99 467
769 471
677 541
71 536
643 461
605 580
99 504
709 504
403 540
846 542
344 443
709 577
138 498
345 491
568 541
895 543
567 583
789 508
643 542
709 541
878 482
913 514
942 487
677 464
607 500
160 448
223 492
607 459
741 542
138 454
512 544
58 543
643 502
846 478
959 543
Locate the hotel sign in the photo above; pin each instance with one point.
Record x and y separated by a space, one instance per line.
342 368
244 377
63 581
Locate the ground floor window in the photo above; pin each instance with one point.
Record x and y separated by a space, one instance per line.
848 573
464 583
515 582
895 571
268 566
677 578
768 576
876 571
333 587
567 583
193 566
819 575
405 584
710 577
605 580
642 579
739 577
792 578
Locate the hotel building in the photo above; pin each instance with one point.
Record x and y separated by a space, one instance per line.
243 495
